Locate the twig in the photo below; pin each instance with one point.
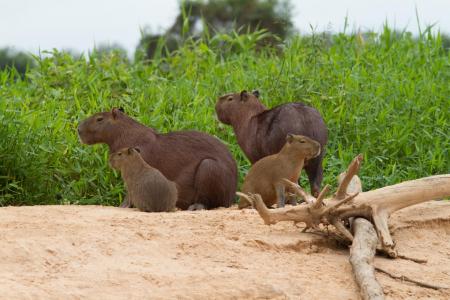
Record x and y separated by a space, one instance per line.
321 196
416 260
405 278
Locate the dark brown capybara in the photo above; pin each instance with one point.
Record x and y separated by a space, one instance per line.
261 131
201 166
147 188
265 177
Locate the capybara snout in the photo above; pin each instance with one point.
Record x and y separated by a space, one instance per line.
117 159
306 147
230 106
98 127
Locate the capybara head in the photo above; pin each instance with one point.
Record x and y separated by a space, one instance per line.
118 159
302 145
230 105
99 127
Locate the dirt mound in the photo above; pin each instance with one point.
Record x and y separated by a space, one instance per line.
93 252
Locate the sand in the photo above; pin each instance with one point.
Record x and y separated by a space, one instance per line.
94 252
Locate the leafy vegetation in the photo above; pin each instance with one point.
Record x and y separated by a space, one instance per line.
384 95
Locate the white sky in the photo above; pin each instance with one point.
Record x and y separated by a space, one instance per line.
63 24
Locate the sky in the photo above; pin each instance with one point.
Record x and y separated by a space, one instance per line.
31 25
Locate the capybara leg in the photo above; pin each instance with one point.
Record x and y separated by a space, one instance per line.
292 200
314 170
281 190
126 203
196 206
213 184
243 203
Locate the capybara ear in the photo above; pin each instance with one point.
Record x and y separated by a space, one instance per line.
255 93
121 109
244 95
115 112
130 150
137 149
289 138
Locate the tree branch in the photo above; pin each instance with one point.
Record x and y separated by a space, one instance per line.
345 178
362 253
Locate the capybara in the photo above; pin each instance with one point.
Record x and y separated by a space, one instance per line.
200 165
265 177
147 188
261 131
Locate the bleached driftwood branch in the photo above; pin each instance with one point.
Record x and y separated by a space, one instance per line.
350 205
376 205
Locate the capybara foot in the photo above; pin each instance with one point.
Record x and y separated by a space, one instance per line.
292 201
315 191
244 204
125 204
196 206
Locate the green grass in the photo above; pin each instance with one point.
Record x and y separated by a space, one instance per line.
387 96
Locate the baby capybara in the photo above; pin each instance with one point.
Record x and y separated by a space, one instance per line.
200 165
266 176
147 188
261 131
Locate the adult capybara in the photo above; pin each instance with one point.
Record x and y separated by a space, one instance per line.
266 176
147 188
261 132
200 165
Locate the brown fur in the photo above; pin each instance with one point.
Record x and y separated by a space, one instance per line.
200 165
265 176
147 188
261 131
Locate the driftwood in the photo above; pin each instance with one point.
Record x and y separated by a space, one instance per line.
362 253
350 205
376 205
364 247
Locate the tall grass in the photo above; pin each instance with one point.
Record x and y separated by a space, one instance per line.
385 95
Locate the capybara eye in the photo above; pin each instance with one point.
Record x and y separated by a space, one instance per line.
230 98
99 119
119 153
302 141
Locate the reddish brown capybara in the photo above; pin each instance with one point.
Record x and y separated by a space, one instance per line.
201 165
147 188
266 176
261 131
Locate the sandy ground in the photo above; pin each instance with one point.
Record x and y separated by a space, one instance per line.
92 252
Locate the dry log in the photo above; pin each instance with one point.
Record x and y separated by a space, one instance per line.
362 253
364 246
376 205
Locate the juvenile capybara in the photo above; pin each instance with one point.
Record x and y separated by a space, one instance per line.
265 177
200 165
147 188
261 131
